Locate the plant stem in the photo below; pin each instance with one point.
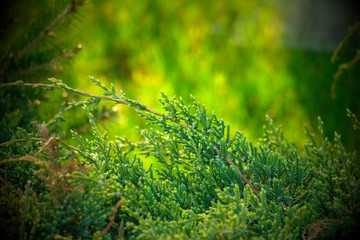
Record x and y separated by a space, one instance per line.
20 140
242 176
112 219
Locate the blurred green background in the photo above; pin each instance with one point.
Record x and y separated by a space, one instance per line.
242 59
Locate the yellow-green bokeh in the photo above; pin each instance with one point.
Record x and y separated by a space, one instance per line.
229 54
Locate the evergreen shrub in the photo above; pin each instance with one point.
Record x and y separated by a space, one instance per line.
205 183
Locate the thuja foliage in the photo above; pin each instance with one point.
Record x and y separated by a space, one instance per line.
205 183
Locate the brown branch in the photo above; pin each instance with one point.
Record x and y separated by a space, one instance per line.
134 186
44 146
112 219
242 176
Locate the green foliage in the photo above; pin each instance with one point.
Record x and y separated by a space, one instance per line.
38 40
189 175
204 183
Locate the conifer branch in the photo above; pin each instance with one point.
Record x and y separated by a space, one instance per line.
26 158
85 94
33 139
341 69
61 85
47 31
13 141
121 230
347 65
51 63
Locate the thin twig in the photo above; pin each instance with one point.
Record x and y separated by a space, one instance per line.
26 158
112 219
33 85
242 176
20 140
134 186
121 230
70 147
44 146
59 114
65 144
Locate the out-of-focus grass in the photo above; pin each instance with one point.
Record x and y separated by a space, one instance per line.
229 55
